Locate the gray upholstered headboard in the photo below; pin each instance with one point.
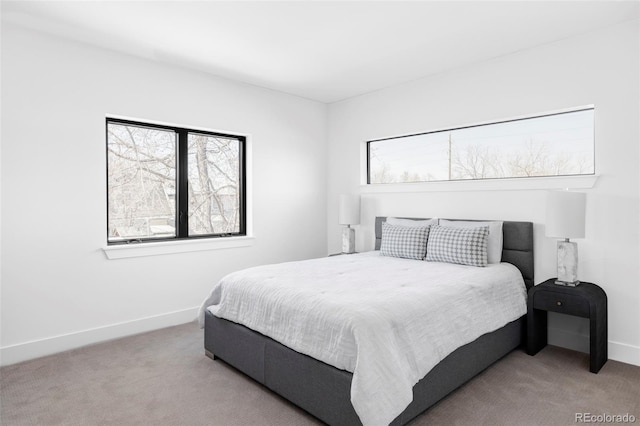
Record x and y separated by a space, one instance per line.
517 245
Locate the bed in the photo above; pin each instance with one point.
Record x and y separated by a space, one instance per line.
326 391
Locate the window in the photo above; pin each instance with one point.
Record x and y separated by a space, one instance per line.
168 183
555 144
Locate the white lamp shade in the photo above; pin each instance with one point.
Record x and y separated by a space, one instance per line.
565 214
349 209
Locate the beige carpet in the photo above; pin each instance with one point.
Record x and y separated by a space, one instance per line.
163 378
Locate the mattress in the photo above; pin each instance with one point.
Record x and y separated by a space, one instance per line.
387 320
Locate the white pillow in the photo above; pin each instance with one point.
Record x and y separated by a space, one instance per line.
412 223
494 243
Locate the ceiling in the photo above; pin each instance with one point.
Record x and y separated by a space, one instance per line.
321 50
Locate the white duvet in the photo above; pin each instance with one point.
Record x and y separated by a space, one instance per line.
389 321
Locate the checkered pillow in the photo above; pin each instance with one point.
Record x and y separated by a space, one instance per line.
404 241
466 246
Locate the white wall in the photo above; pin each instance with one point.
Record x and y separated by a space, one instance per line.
58 288
598 68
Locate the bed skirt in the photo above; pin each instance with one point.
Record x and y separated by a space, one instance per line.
324 391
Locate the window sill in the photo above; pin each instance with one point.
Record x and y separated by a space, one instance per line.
171 247
551 182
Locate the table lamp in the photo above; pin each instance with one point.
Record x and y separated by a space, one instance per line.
349 215
565 219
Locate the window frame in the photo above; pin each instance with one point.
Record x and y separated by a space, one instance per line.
182 182
368 183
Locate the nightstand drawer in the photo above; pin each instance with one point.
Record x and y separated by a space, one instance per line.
562 303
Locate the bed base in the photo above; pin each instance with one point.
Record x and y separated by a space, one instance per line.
325 391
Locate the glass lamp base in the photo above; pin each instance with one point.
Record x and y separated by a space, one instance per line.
567 264
568 284
348 240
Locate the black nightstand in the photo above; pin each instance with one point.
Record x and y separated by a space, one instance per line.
586 300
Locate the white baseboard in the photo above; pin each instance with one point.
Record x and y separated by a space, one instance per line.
624 353
580 342
38 348
568 339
